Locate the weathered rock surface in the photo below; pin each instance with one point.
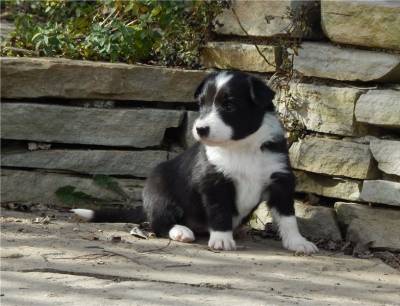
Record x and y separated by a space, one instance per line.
379 107
379 191
6 28
19 186
367 224
333 187
63 78
233 55
324 60
64 124
364 23
108 162
322 108
315 222
387 154
269 18
333 157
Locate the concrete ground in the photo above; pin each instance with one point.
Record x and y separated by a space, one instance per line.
65 263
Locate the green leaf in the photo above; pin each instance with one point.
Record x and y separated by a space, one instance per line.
109 183
36 36
70 197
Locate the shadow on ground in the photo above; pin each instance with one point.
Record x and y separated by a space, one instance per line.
66 263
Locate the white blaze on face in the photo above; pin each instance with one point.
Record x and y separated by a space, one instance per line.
222 79
219 130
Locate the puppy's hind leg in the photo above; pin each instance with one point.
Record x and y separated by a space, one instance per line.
165 215
280 199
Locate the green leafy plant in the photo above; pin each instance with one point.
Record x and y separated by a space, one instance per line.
69 196
147 31
107 182
72 197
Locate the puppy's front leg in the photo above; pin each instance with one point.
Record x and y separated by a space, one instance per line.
279 196
218 199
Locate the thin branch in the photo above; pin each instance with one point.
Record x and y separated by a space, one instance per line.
157 249
255 45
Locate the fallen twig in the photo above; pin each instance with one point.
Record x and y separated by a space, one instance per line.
178 266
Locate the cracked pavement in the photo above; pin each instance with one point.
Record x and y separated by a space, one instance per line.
66 263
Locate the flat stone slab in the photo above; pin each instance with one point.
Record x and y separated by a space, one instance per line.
108 162
363 23
315 222
380 191
40 188
269 18
322 108
41 259
366 224
233 55
324 60
74 79
379 107
67 124
333 157
332 187
387 154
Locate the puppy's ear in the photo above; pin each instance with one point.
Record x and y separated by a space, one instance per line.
261 94
201 86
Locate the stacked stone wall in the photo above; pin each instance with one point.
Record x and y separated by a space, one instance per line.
342 95
65 121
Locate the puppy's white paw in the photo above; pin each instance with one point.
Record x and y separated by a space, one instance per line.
181 233
221 241
300 245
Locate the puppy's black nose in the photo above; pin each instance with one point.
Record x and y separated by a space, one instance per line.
203 131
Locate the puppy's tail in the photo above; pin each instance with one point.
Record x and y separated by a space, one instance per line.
131 215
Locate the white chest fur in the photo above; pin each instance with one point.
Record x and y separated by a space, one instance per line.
250 170
248 166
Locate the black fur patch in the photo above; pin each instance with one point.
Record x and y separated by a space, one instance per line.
241 104
188 190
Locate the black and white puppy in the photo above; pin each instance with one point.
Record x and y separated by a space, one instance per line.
240 160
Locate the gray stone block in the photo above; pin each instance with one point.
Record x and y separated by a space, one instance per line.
324 60
333 157
383 192
74 79
113 127
363 23
365 224
108 162
379 107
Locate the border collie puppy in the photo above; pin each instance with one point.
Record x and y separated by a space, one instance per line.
240 160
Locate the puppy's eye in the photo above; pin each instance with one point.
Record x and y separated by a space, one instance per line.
229 106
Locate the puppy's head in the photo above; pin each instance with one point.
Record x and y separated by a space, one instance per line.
232 107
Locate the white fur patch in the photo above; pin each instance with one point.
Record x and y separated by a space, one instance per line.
222 79
181 233
221 241
219 131
248 166
86 214
291 237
